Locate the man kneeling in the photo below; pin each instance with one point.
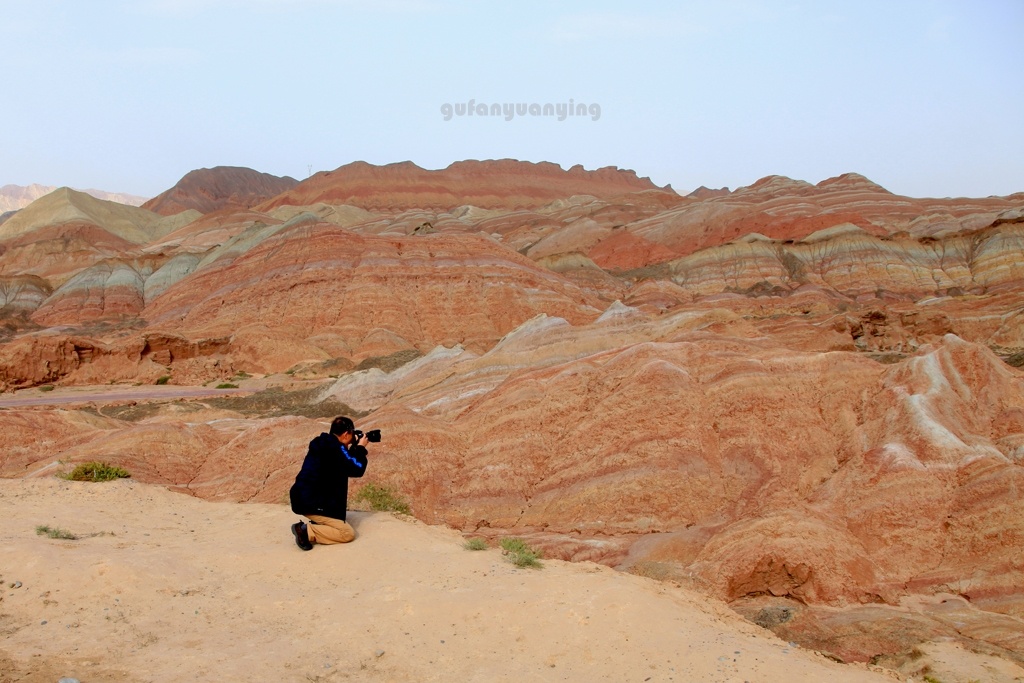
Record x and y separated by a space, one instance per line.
320 491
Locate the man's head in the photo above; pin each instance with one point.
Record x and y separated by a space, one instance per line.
343 427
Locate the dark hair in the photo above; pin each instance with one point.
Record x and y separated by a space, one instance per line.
342 424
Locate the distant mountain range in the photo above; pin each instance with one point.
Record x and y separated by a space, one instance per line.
14 197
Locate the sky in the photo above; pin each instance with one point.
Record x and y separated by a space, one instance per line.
924 97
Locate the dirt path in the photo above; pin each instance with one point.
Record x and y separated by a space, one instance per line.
72 395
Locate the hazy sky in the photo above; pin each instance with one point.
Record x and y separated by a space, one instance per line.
926 98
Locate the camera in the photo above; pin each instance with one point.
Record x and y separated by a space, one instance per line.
373 436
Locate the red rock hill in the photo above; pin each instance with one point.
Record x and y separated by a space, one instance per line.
209 189
504 183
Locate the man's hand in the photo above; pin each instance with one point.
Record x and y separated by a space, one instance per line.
363 441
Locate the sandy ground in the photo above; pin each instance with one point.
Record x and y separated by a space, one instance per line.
163 587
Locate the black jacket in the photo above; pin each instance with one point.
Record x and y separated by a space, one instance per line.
322 485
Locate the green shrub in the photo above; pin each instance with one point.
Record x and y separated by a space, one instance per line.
96 471
55 532
47 387
163 380
242 374
475 544
227 385
383 499
519 553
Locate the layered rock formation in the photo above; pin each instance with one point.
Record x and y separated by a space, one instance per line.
67 206
66 231
786 392
696 443
851 262
106 291
379 294
782 209
85 253
506 184
210 189
14 197
23 294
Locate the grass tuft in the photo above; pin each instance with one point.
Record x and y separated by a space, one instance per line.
475 544
519 553
47 387
96 471
383 499
163 380
55 532
227 385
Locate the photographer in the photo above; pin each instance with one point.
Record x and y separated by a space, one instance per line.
320 491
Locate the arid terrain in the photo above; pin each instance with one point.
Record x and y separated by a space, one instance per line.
193 590
802 401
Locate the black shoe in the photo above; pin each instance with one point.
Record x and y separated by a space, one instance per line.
301 537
